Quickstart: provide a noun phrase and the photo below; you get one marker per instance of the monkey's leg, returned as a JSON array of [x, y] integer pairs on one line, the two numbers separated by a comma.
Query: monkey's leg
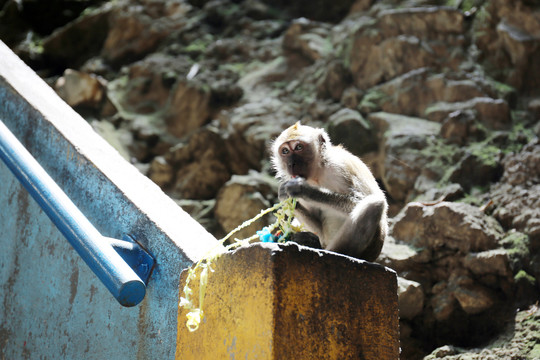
[[363, 231]]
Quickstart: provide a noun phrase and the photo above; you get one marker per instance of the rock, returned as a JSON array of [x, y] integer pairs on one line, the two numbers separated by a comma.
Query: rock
[[79, 40], [435, 193], [241, 199], [80, 89], [135, 31], [523, 168], [442, 351], [517, 195], [422, 22], [411, 298], [526, 289], [488, 262], [516, 342], [400, 257], [376, 60], [161, 172], [534, 107], [401, 138], [507, 35], [406, 39], [361, 5], [121, 140], [460, 127], [334, 81], [251, 127], [148, 85], [307, 38], [493, 113], [478, 169], [320, 10], [200, 181], [189, 109], [158, 87], [349, 128], [455, 226], [202, 163], [443, 304], [351, 97], [202, 211], [474, 299]]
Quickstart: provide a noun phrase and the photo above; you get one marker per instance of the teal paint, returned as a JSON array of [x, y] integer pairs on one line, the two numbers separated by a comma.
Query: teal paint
[[108, 258], [51, 305]]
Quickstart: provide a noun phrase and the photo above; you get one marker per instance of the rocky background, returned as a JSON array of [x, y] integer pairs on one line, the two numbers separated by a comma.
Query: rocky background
[[440, 98]]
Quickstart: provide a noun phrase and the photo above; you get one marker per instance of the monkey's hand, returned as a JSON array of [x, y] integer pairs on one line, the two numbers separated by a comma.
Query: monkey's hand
[[292, 188]]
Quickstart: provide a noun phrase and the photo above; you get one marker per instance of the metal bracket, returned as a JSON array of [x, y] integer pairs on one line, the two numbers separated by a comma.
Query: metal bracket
[[135, 255]]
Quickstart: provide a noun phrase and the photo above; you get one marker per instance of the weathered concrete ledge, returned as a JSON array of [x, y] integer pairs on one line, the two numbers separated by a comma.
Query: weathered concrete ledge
[[270, 301], [51, 305]]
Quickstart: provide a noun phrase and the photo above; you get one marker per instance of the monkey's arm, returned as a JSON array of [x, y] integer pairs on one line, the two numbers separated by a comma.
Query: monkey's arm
[[311, 218], [299, 188]]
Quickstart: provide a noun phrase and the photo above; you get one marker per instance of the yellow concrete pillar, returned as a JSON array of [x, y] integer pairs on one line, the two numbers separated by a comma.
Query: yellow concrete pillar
[[270, 301]]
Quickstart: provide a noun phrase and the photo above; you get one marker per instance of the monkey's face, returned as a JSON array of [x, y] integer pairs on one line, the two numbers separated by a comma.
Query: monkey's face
[[297, 156]]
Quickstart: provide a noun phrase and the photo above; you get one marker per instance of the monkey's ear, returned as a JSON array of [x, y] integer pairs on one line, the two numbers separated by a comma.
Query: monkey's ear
[[324, 139]]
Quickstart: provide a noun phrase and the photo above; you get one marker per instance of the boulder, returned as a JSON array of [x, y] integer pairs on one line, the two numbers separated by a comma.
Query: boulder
[[494, 113], [443, 304], [201, 163], [410, 298], [507, 35], [478, 168], [320, 10], [335, 80], [406, 39], [161, 172], [461, 127], [159, 87], [474, 299], [79, 40], [494, 262], [135, 31], [189, 108], [121, 139], [203, 212], [349, 128], [200, 180], [401, 138], [398, 256], [517, 195], [457, 227], [241, 199], [80, 89], [308, 39], [423, 22]]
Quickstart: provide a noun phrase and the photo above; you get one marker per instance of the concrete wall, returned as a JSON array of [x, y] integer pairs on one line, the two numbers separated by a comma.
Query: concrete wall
[[51, 305]]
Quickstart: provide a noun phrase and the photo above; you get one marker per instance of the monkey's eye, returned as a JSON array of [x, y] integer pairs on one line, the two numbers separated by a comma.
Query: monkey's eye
[[284, 151], [299, 147]]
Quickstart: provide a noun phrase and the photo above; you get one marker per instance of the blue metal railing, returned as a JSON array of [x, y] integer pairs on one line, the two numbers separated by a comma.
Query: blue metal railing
[[123, 266]]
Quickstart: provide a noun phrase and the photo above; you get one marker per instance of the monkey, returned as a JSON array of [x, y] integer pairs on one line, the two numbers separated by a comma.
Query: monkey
[[338, 197]]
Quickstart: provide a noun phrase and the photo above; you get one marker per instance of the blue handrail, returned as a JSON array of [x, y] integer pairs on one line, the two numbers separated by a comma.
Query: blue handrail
[[105, 256]]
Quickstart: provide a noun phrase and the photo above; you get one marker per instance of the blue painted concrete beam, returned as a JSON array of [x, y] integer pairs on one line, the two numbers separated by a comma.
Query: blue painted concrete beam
[[51, 305], [109, 266]]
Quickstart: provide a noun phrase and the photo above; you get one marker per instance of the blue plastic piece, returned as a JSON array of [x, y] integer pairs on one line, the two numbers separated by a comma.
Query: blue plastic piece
[[265, 235], [116, 263]]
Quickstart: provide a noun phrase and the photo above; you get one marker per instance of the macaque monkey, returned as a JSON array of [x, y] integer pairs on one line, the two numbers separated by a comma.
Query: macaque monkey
[[338, 197]]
